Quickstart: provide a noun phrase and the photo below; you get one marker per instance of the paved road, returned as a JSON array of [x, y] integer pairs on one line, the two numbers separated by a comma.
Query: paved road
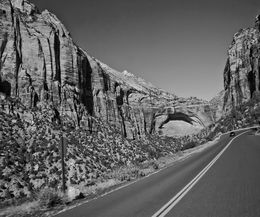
[[231, 187]]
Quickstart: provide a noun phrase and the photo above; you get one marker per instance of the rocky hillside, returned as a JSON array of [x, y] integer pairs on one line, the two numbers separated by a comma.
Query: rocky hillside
[[242, 70], [40, 63], [30, 151], [246, 115]]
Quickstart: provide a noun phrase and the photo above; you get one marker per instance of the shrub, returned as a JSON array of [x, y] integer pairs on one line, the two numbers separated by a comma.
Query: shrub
[[155, 165], [211, 136], [189, 145], [80, 196], [50, 198]]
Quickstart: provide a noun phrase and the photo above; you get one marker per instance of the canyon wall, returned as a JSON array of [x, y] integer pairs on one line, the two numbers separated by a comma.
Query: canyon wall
[[242, 70], [40, 63]]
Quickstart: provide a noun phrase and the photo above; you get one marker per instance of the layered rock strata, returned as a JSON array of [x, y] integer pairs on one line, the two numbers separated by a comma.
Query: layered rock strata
[[40, 63]]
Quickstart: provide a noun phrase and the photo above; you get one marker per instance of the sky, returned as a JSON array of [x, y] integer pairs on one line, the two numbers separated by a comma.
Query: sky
[[178, 45]]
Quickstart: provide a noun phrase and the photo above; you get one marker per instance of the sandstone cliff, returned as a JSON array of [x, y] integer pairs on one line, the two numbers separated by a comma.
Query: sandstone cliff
[[242, 70], [40, 63], [46, 80]]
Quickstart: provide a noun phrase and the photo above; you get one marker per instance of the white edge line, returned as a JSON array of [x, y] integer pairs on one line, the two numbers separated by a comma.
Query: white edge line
[[171, 203], [53, 213]]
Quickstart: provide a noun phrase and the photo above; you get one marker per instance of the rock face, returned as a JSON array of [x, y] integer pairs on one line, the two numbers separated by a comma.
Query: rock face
[[242, 70], [40, 63], [217, 105]]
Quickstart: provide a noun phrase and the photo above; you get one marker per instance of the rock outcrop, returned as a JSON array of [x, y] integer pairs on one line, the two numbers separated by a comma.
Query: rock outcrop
[[40, 63], [217, 103], [242, 70]]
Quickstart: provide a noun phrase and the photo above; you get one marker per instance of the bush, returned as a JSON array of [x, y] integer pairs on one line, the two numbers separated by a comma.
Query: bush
[[80, 196], [211, 136], [189, 145], [50, 198]]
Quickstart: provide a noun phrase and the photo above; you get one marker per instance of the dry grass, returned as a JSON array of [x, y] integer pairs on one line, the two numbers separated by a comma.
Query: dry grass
[[24, 209], [46, 199], [99, 186], [49, 198]]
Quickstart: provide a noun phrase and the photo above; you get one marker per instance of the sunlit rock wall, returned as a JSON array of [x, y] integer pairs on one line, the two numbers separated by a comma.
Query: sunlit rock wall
[[242, 70]]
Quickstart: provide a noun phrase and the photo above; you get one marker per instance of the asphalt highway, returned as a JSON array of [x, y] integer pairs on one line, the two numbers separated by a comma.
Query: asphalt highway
[[230, 187]]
